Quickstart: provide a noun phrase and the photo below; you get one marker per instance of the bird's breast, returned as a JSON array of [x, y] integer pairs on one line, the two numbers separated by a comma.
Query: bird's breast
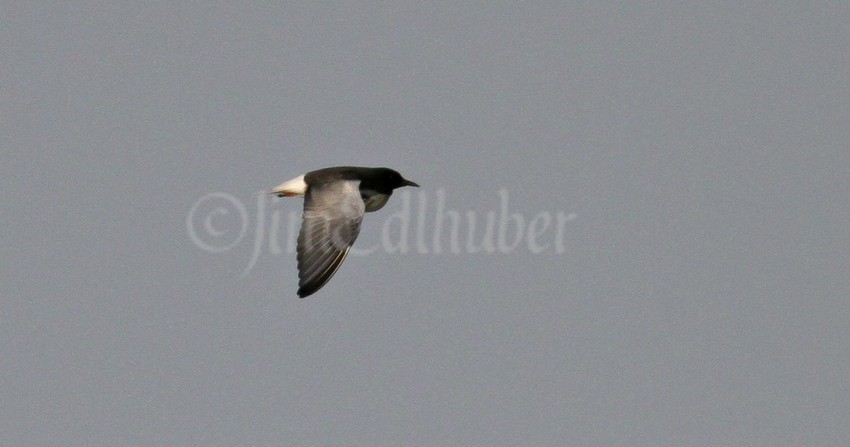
[[373, 199]]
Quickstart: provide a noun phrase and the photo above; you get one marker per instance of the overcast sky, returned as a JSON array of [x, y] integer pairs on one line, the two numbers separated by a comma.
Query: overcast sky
[[667, 262]]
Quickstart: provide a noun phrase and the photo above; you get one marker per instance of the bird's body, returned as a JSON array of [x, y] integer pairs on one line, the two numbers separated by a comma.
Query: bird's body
[[335, 200]]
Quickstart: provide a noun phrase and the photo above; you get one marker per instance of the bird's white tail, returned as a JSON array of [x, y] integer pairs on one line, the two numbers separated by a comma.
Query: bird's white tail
[[289, 188]]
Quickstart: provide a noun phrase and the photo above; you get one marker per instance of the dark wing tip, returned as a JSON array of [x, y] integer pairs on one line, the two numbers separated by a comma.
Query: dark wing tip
[[302, 293], [314, 284], [315, 273]]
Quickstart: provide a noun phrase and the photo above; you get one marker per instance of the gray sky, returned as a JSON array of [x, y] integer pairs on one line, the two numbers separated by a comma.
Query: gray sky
[[697, 154]]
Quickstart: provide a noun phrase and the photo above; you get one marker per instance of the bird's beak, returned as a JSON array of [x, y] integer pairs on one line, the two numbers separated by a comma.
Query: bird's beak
[[407, 182]]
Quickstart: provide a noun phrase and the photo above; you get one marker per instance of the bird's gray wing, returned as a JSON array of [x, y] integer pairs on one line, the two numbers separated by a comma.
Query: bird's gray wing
[[330, 224]]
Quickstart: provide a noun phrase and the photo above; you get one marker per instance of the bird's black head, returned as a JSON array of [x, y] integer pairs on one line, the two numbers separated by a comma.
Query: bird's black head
[[391, 179]]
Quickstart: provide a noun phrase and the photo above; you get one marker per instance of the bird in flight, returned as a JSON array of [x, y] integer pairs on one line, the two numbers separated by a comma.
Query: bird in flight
[[335, 200]]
